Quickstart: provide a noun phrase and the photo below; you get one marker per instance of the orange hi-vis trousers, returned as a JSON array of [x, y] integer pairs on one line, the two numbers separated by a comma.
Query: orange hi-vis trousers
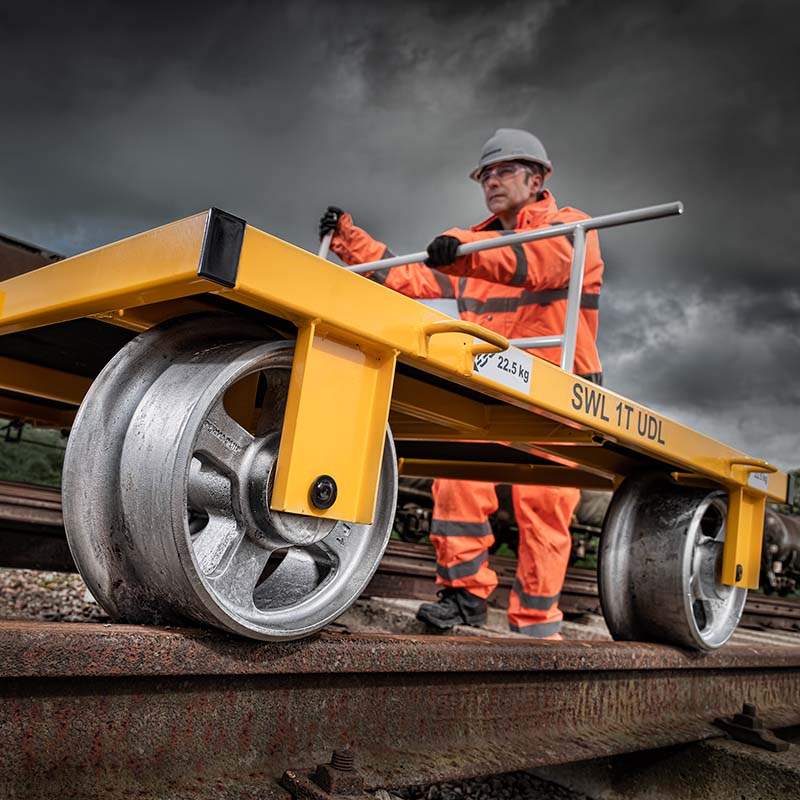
[[462, 535]]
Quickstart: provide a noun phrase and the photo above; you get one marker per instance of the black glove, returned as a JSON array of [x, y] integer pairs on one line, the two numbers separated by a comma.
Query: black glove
[[442, 251], [329, 220]]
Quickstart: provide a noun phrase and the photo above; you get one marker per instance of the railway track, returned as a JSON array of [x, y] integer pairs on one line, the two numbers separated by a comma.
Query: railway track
[[408, 570], [31, 535], [118, 711]]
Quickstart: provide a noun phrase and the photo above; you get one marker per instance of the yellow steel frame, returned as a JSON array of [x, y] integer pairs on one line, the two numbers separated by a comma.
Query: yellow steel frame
[[351, 334], [42, 382]]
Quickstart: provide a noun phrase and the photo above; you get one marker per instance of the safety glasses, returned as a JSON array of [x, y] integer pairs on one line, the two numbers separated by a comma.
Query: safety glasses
[[501, 171]]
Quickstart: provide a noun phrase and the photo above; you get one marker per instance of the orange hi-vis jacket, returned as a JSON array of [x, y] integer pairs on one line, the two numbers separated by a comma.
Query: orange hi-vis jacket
[[518, 291]]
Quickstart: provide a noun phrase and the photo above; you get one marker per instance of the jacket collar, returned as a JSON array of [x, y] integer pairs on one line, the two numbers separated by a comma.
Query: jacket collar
[[532, 215]]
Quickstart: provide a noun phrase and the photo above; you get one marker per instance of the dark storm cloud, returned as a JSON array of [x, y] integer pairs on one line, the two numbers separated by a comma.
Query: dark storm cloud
[[117, 117], [691, 341]]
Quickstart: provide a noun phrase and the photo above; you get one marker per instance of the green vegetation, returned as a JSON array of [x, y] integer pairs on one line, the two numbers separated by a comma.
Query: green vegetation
[[30, 455]]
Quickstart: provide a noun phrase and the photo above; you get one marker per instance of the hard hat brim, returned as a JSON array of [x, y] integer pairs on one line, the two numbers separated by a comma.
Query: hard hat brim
[[505, 157]]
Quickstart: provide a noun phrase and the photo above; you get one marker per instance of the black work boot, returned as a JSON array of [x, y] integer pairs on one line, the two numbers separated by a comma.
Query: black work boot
[[454, 607]]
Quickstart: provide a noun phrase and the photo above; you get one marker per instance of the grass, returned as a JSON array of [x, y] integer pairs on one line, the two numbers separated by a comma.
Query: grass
[[31, 455]]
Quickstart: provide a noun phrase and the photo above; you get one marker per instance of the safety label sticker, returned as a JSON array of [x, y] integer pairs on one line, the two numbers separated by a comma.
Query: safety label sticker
[[758, 480], [511, 368]]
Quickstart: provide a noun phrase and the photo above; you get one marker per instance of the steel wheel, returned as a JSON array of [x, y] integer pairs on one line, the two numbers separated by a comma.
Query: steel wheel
[[100, 542], [192, 512], [660, 561]]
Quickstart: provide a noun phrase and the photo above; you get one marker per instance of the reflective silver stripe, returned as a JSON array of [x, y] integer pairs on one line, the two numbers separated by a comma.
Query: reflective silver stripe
[[462, 282], [590, 300], [538, 630], [521, 272], [464, 569], [444, 283], [441, 527], [496, 305], [493, 305], [446, 288], [380, 275], [537, 602], [570, 236], [593, 377]]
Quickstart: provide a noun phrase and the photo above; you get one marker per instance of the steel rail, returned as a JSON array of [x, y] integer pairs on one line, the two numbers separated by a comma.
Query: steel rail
[[32, 536], [91, 710]]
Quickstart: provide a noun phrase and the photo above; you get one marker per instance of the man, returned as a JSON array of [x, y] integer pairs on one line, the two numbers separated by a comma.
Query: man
[[518, 291]]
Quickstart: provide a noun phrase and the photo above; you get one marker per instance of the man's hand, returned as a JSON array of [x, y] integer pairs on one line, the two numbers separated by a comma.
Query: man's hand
[[329, 220], [442, 251]]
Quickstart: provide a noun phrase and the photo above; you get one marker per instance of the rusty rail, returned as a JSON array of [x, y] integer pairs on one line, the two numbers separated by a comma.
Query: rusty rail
[[32, 528], [118, 711], [32, 536]]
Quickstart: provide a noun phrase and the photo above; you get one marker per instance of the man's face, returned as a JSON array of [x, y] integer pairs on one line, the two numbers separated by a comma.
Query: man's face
[[507, 186]]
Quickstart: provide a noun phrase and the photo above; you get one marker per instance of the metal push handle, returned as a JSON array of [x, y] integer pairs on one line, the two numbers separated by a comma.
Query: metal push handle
[[578, 229], [605, 221], [491, 342], [752, 464], [325, 244]]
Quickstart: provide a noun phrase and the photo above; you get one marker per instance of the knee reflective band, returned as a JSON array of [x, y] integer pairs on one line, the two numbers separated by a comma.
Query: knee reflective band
[[440, 527], [534, 601], [463, 569], [539, 630]]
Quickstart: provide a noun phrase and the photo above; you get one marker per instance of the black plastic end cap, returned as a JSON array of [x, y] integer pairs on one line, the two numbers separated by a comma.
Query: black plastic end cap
[[222, 246]]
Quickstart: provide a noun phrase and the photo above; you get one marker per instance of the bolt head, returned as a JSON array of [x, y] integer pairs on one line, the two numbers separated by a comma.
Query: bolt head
[[323, 492]]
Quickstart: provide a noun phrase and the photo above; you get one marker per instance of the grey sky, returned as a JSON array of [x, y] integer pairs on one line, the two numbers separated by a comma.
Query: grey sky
[[118, 117]]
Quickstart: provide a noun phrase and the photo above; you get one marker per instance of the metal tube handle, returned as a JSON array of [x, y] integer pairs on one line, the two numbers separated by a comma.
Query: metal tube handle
[[325, 244], [538, 342], [592, 223], [752, 464], [574, 299], [568, 340], [491, 342]]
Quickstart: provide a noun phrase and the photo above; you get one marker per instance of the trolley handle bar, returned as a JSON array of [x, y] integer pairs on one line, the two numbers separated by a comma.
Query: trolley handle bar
[[325, 244], [592, 223]]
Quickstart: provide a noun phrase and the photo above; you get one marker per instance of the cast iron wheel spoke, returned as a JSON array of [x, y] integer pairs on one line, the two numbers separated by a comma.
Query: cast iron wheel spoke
[[340, 545], [222, 440], [704, 613], [213, 544], [208, 489], [705, 558], [239, 577], [273, 387], [295, 578]]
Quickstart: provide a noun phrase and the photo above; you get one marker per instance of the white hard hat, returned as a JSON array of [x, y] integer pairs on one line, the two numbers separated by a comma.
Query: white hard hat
[[511, 144]]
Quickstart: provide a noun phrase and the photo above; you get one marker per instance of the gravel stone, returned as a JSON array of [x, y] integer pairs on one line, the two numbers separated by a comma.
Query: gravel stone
[[512, 785], [29, 595]]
